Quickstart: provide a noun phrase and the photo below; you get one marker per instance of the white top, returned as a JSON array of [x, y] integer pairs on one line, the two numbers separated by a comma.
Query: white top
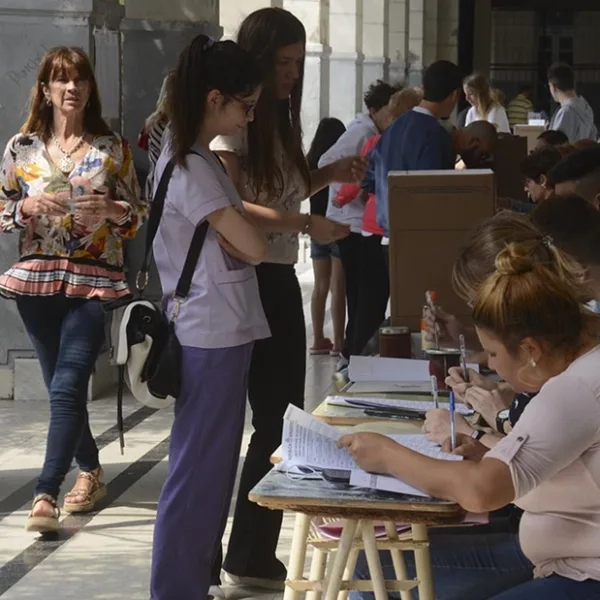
[[223, 307], [553, 454], [350, 143], [283, 247], [496, 116]]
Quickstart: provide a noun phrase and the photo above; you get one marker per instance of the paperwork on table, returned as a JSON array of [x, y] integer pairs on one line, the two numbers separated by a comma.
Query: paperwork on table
[[308, 442], [377, 375]]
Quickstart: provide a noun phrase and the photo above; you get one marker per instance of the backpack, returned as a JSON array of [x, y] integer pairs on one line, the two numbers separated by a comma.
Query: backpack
[[144, 346]]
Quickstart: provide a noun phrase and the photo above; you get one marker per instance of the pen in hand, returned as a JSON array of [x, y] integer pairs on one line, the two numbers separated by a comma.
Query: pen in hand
[[435, 392], [452, 421], [463, 358]]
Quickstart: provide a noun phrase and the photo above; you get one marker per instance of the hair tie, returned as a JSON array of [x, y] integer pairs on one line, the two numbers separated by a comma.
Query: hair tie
[[548, 241], [209, 44]]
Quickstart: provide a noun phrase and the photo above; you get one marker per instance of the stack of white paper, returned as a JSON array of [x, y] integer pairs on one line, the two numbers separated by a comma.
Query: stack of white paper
[[311, 443], [377, 375]]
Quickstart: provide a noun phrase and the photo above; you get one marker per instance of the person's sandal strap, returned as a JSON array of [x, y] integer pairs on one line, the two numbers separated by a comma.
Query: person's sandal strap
[[47, 498], [86, 494]]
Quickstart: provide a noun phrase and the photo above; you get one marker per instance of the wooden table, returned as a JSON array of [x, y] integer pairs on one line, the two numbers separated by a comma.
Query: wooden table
[[358, 508], [348, 416]]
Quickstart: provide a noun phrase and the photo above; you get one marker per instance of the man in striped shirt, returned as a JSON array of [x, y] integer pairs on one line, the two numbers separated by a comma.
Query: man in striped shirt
[[520, 106]]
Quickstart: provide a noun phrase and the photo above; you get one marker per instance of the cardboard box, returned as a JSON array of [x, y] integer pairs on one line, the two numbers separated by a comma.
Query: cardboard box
[[431, 214], [510, 152], [530, 132]]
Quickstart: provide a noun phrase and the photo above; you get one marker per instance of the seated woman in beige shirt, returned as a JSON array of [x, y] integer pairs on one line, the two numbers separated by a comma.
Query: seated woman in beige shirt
[[538, 337]]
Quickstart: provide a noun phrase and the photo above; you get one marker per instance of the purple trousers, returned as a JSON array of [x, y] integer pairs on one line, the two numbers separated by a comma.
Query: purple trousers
[[203, 458]]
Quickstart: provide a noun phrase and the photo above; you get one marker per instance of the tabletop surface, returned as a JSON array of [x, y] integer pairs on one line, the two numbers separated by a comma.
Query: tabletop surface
[[278, 490]]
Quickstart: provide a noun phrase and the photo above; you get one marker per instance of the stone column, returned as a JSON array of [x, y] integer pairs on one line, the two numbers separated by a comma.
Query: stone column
[[416, 41], [398, 20], [314, 14], [233, 12], [375, 42], [345, 38], [447, 30]]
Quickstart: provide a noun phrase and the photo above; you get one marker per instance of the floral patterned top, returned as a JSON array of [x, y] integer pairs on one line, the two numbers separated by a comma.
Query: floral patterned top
[[78, 256]]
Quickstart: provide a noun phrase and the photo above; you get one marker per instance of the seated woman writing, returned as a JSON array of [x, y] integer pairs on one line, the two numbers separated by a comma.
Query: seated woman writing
[[538, 338]]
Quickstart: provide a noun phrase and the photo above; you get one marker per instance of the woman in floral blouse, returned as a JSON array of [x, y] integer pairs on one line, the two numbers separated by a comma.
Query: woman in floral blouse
[[69, 188]]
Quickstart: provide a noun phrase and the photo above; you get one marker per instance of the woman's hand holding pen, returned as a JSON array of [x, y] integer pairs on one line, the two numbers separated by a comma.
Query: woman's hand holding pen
[[466, 446], [459, 386], [489, 403], [447, 326], [437, 425]]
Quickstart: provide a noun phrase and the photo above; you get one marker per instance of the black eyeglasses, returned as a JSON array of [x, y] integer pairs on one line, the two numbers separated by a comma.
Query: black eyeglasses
[[249, 108]]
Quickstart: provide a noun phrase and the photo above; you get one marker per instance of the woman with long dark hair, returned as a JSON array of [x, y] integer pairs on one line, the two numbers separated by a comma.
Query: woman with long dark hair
[[270, 169], [213, 91], [69, 188], [327, 266]]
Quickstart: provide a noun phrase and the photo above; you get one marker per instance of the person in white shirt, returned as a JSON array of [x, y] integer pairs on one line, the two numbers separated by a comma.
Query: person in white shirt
[[483, 106], [363, 127]]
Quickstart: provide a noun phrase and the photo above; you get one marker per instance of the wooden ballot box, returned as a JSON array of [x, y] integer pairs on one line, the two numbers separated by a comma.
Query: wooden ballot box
[[530, 133], [431, 214]]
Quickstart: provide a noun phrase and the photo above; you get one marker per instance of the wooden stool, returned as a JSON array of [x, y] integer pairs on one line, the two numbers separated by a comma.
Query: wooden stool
[[357, 534]]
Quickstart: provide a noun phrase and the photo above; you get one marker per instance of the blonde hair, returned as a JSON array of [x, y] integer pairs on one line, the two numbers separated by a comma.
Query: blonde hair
[[525, 298], [477, 259], [498, 96], [484, 101], [404, 100]]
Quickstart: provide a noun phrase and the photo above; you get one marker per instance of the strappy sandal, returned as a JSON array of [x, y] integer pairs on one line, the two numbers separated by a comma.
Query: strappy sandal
[[43, 523], [89, 498]]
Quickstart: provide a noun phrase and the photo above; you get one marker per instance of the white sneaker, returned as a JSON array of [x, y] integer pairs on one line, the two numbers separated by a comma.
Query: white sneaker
[[215, 591]]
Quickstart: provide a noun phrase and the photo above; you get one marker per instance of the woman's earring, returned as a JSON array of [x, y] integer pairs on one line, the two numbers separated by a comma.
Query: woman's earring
[[48, 102], [533, 363]]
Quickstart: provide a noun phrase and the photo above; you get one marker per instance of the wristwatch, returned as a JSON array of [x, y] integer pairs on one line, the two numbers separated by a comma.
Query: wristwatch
[[477, 434], [501, 419]]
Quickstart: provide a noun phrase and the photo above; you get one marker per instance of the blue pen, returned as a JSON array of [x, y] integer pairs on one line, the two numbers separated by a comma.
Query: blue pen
[[452, 421]]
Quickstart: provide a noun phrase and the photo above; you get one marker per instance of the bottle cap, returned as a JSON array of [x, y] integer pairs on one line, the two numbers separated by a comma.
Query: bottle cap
[[433, 294]]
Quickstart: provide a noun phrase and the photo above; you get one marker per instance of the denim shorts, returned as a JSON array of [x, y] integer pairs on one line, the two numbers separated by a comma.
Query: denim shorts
[[322, 251]]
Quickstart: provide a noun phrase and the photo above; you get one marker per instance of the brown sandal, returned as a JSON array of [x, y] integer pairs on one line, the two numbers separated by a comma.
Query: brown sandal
[[42, 523], [88, 498]]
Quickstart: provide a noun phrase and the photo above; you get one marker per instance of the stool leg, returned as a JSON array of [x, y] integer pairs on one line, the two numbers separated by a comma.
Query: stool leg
[[397, 559], [372, 554], [341, 558], [350, 565], [423, 563], [297, 555], [317, 572]]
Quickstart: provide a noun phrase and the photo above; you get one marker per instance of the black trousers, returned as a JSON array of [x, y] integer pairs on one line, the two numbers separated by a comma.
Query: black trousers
[[350, 256], [277, 378], [373, 293]]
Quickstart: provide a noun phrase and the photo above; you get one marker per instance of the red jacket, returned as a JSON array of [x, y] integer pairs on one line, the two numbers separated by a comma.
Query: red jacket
[[349, 191]]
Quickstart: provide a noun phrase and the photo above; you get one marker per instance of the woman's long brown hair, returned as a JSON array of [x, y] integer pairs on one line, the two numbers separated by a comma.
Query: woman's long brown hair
[[263, 33], [62, 62]]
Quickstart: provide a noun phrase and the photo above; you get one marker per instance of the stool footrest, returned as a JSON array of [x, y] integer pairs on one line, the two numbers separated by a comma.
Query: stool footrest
[[359, 585]]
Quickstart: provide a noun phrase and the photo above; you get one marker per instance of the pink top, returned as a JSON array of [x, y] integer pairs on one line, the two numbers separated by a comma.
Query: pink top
[[554, 458], [349, 191]]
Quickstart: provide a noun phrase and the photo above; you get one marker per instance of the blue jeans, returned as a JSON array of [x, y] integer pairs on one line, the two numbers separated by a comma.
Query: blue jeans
[[67, 335], [484, 566]]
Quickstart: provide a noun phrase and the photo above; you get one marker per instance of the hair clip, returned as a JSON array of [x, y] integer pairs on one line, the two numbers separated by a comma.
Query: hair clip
[[548, 241]]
